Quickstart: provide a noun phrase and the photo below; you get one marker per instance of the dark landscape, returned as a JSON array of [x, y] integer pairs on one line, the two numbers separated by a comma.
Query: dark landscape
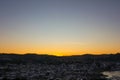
[[48, 67]]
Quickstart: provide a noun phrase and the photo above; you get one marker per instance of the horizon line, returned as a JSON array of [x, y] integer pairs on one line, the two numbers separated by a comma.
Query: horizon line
[[61, 55]]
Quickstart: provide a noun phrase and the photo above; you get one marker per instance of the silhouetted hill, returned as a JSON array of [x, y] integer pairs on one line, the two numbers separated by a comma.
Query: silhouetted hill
[[50, 59]]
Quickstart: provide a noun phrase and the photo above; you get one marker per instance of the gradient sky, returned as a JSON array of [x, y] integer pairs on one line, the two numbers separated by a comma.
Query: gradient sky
[[60, 27]]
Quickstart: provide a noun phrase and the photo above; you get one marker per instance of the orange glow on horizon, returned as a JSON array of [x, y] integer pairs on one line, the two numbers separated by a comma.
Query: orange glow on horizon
[[61, 53], [60, 50]]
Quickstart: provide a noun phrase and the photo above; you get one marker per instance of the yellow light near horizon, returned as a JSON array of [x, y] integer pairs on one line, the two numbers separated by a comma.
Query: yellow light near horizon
[[58, 54], [60, 50]]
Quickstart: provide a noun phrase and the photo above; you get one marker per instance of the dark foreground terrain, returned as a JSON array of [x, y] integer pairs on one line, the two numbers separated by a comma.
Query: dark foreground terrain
[[46, 67]]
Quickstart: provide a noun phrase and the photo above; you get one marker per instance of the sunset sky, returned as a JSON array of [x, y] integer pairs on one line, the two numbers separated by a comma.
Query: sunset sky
[[60, 27]]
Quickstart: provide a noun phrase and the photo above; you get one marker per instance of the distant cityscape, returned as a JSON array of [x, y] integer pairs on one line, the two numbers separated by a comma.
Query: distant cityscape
[[45, 67]]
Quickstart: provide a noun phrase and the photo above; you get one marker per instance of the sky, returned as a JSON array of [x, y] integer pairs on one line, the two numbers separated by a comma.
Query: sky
[[60, 27]]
